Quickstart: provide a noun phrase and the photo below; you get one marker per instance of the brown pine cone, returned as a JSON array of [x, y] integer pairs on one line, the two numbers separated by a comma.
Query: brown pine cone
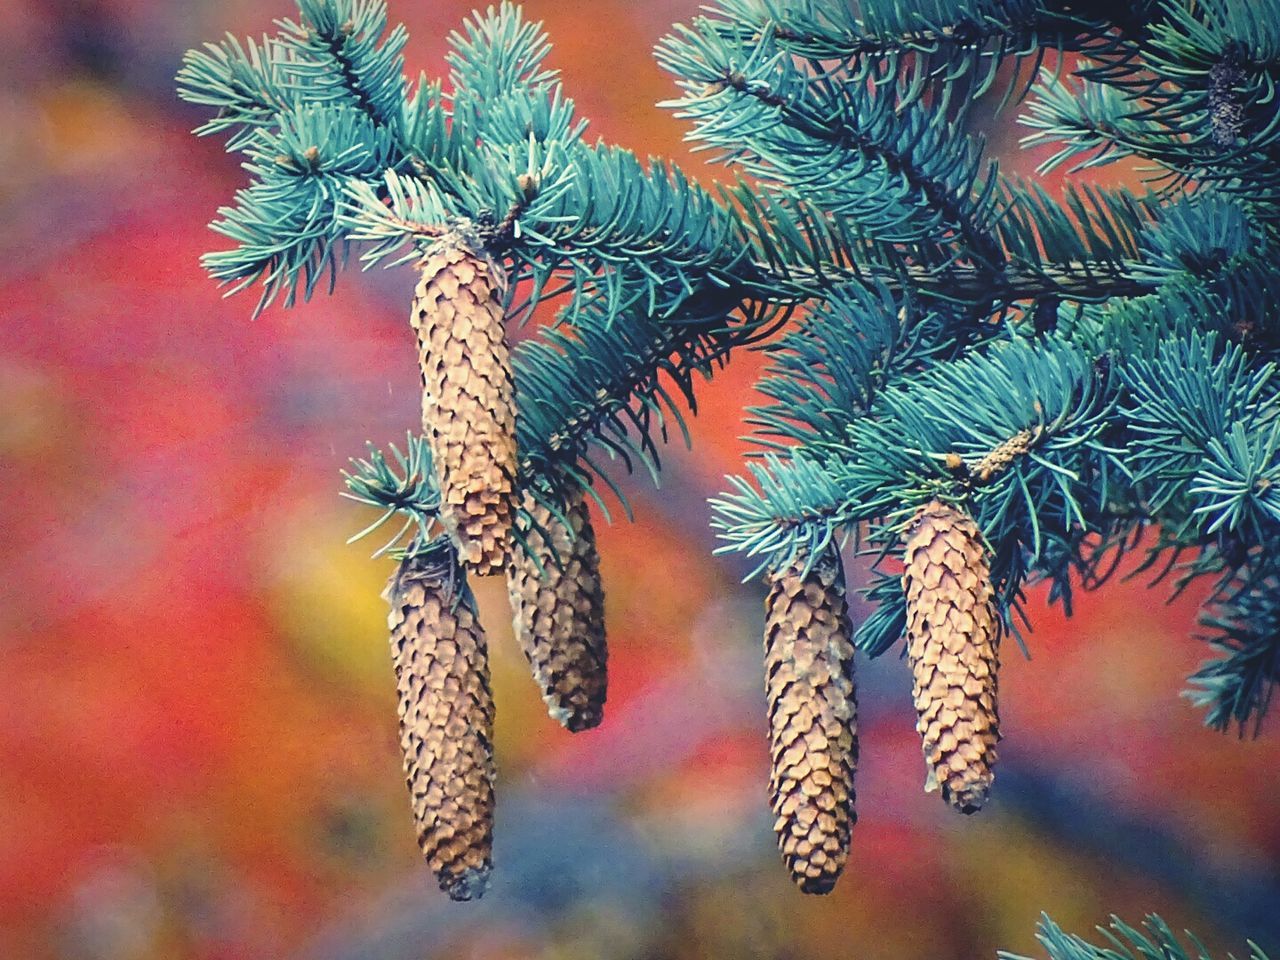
[[813, 719], [558, 612], [446, 719], [468, 398], [953, 634]]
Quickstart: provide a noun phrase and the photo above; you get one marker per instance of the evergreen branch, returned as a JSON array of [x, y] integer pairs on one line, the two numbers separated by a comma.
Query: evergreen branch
[[1122, 942], [1196, 104], [1085, 281], [950, 43], [245, 83], [601, 382], [624, 235], [497, 57], [1184, 397], [286, 225], [1236, 687], [404, 485], [829, 369], [897, 163], [902, 456], [834, 143], [1088, 252], [343, 51]]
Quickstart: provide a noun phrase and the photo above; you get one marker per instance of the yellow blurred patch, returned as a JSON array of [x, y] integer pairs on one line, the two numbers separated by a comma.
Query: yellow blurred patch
[[32, 412], [325, 596]]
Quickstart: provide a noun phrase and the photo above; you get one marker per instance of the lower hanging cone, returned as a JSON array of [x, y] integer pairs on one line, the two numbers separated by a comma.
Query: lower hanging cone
[[446, 719], [813, 715], [557, 602], [468, 398], [953, 632]]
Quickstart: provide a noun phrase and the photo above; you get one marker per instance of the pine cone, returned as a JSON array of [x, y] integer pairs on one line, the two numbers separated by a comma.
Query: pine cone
[[559, 612], [953, 632], [813, 717], [468, 398], [446, 720]]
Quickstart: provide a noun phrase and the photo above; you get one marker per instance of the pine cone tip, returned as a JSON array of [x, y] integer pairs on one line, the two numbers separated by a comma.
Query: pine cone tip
[[968, 800], [578, 720], [469, 884]]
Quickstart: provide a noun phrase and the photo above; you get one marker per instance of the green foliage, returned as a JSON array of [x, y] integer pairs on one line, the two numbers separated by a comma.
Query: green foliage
[[1072, 368], [1123, 942]]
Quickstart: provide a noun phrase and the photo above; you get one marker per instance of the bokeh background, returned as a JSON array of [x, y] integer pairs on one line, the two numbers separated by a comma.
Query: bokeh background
[[198, 755]]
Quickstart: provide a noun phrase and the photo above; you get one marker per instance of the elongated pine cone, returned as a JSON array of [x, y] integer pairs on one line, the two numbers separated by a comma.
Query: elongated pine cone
[[446, 720], [813, 717], [953, 634], [468, 398], [558, 612]]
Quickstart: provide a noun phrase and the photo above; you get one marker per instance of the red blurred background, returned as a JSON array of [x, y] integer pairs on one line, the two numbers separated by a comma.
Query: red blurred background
[[197, 722]]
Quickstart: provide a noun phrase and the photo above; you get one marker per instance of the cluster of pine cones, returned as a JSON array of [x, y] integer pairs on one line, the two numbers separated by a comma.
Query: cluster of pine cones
[[438, 644], [953, 632], [552, 568]]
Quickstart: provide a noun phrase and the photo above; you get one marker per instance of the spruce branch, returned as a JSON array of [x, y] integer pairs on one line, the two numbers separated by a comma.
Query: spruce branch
[[991, 384], [1122, 942], [877, 162], [245, 83], [344, 52], [1236, 686], [896, 163], [961, 44]]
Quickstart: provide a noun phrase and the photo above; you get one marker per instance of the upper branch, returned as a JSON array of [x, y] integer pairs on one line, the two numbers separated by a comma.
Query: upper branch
[[898, 163]]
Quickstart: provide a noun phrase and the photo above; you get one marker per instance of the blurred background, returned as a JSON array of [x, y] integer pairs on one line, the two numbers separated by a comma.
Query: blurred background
[[197, 713]]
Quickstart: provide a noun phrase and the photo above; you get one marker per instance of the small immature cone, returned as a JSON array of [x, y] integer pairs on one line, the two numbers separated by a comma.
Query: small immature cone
[[1002, 457], [813, 716], [558, 612], [953, 633], [468, 398], [446, 720]]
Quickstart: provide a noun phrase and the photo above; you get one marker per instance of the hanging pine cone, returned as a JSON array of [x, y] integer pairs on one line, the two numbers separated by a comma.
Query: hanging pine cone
[[446, 719], [813, 716], [953, 631], [468, 398], [559, 611]]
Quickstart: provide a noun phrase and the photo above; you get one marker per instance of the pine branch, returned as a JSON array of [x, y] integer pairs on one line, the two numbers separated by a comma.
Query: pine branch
[[898, 164], [602, 381], [345, 52], [1061, 371], [1122, 942], [964, 43]]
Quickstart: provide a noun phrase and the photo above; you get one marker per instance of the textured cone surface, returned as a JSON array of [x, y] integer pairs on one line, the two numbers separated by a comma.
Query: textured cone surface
[[1002, 457], [813, 715], [468, 399], [446, 723], [953, 633], [559, 612]]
